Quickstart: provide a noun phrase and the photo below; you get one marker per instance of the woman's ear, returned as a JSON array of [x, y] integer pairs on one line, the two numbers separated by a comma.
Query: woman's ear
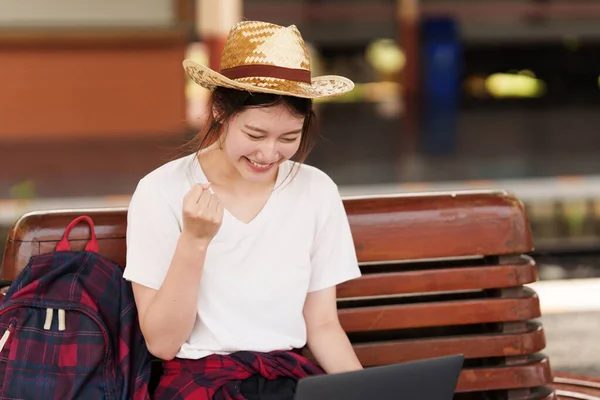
[[216, 113]]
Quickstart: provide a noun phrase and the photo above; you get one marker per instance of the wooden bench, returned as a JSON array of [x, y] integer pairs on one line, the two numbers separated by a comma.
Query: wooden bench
[[444, 273]]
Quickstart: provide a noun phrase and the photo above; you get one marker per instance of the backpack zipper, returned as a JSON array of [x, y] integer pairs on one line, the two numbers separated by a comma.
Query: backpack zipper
[[61, 319], [5, 336], [48, 321]]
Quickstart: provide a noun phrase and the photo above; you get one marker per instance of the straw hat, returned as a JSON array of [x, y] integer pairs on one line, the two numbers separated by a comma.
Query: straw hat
[[263, 57]]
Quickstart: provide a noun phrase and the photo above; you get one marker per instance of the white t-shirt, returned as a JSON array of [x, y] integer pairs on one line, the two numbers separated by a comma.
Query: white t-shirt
[[257, 275]]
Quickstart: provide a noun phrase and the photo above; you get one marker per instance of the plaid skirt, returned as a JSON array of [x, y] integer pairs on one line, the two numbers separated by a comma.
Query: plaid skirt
[[220, 377]]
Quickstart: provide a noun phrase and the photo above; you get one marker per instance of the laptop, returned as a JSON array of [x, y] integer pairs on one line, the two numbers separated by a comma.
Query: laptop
[[431, 379]]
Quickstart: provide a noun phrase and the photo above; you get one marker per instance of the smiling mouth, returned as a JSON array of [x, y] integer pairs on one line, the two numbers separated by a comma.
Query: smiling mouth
[[259, 166]]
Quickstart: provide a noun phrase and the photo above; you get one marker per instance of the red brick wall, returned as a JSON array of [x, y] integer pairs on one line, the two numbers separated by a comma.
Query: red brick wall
[[66, 92]]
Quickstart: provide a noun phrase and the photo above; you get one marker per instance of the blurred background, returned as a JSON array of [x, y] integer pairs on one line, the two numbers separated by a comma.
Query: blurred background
[[450, 94]]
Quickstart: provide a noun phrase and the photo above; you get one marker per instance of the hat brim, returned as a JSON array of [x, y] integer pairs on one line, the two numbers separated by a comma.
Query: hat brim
[[322, 86]]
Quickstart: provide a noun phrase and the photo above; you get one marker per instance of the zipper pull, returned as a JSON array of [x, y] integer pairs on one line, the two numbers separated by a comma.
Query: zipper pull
[[5, 337], [49, 316], [61, 320]]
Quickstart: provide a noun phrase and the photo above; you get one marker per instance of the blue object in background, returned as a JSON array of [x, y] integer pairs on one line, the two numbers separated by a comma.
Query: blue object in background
[[441, 55]]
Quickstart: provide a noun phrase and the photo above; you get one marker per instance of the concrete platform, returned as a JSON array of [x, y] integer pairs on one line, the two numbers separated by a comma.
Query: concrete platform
[[573, 341]]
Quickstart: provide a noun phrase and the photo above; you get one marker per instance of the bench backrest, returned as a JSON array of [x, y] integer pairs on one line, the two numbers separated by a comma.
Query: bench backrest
[[390, 228], [444, 273]]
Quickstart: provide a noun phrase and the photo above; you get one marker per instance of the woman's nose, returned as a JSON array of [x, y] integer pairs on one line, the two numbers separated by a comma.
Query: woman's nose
[[270, 152]]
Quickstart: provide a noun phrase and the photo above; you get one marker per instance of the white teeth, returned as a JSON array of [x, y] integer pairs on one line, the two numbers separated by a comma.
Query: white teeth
[[259, 165]]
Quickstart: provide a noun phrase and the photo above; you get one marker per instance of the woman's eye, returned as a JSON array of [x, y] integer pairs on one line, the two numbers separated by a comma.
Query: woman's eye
[[289, 140], [254, 137]]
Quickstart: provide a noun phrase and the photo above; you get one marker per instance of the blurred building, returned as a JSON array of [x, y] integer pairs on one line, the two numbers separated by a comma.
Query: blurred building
[[447, 90]]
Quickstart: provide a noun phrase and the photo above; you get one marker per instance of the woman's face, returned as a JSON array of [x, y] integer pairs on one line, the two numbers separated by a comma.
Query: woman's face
[[257, 140]]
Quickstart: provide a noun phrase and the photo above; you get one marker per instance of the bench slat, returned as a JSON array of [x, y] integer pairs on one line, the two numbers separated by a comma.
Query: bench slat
[[113, 246], [437, 225], [537, 393], [16, 256], [570, 395], [531, 374], [47, 226], [572, 386], [441, 280], [404, 227], [471, 346], [40, 232], [447, 313]]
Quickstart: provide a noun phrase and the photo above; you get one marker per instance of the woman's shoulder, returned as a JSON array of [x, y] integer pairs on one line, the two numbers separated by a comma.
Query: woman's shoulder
[[311, 176], [310, 182], [170, 179], [176, 170]]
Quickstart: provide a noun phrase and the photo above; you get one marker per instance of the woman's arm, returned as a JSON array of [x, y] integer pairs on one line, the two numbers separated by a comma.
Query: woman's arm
[[327, 340], [167, 316]]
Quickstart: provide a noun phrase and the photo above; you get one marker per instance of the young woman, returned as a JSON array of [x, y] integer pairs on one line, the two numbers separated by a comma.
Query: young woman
[[235, 250]]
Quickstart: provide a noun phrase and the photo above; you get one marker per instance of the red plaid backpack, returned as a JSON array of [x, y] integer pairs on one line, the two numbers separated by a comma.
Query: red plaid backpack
[[70, 330]]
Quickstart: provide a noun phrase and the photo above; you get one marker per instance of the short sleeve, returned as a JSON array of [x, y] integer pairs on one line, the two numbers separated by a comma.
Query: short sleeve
[[152, 234], [333, 256]]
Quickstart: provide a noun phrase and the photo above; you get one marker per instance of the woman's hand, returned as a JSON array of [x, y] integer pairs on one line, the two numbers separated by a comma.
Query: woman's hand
[[202, 214]]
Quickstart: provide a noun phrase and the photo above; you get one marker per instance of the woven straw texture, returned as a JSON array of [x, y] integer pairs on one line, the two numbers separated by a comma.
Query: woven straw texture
[[261, 43]]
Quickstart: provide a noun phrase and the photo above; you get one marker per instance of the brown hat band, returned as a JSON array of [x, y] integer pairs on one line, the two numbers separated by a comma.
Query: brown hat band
[[267, 71]]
